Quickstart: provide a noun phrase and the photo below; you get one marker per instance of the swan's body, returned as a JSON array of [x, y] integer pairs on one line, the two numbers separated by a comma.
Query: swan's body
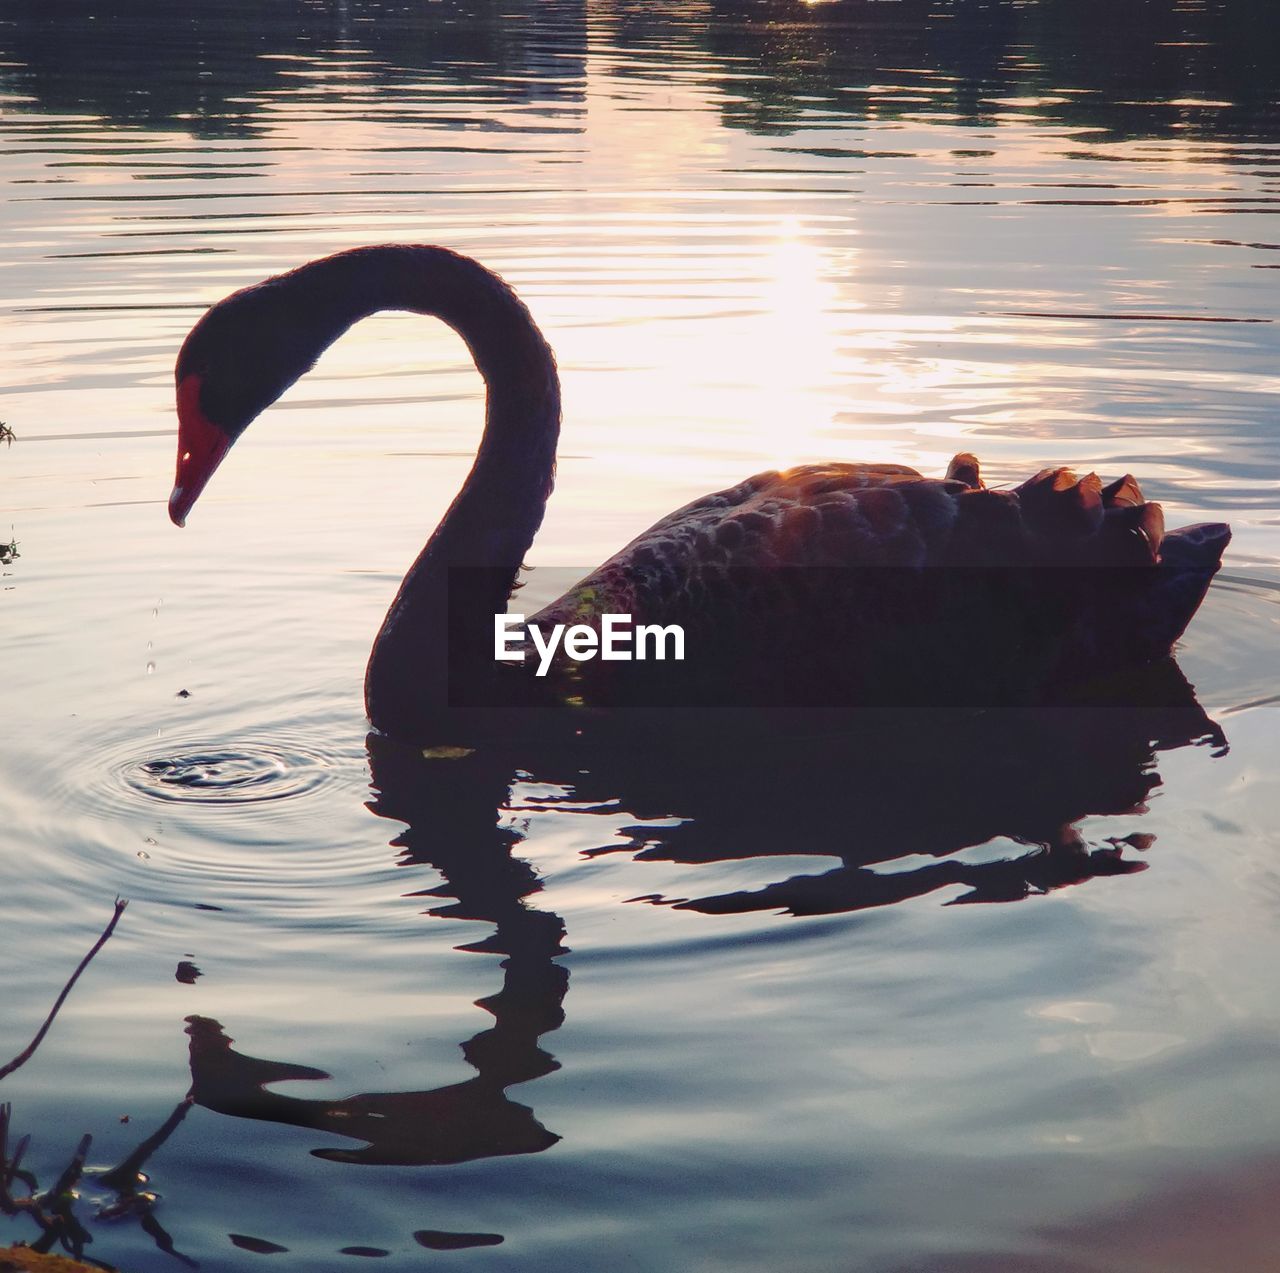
[[831, 584]]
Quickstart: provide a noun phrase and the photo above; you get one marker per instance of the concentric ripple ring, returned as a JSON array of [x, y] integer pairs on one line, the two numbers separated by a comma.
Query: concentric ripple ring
[[250, 774]]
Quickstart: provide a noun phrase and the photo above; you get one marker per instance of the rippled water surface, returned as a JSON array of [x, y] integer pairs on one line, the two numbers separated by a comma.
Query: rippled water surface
[[1004, 1001]]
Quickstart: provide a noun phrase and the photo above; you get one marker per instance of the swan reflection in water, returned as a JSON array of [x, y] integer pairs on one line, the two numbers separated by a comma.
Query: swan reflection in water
[[451, 812], [908, 784], [930, 784]]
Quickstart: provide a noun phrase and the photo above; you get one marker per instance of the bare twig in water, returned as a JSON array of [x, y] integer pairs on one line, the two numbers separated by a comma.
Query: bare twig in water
[[25, 1055], [11, 1167], [54, 1212], [7, 435], [124, 1179], [9, 1170], [64, 1225]]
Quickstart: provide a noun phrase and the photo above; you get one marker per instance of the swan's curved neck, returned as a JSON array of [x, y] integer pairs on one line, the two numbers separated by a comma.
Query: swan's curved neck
[[465, 573]]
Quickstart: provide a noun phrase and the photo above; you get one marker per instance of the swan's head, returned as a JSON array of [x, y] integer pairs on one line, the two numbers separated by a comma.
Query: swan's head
[[237, 360]]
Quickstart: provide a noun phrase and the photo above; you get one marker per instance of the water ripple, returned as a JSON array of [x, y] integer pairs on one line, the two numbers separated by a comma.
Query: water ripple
[[269, 824], [254, 773]]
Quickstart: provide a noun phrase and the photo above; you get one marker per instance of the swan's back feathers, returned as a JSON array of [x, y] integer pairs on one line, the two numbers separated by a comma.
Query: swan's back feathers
[[734, 557], [813, 515]]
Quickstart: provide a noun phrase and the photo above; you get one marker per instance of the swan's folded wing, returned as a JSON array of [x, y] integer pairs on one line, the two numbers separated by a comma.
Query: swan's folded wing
[[828, 515]]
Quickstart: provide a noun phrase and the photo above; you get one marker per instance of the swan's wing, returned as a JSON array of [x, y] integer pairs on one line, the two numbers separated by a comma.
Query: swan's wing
[[774, 491], [815, 515]]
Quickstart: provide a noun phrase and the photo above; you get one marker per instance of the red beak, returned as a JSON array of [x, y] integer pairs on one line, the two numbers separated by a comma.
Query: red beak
[[201, 447]]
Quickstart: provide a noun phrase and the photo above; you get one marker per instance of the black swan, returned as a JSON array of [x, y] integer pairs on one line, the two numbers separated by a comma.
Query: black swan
[[824, 585]]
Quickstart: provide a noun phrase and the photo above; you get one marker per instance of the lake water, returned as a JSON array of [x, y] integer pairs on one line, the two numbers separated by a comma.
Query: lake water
[[628, 1013]]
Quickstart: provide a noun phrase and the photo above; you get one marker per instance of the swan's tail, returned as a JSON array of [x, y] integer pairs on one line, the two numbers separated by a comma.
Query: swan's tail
[[1189, 558]]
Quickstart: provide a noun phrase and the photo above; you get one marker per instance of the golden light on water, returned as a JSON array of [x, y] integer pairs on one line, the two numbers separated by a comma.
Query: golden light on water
[[793, 345], [720, 301]]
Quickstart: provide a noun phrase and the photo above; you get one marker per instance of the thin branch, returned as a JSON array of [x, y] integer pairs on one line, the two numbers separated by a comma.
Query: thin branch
[[123, 1179], [60, 1201], [25, 1055]]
